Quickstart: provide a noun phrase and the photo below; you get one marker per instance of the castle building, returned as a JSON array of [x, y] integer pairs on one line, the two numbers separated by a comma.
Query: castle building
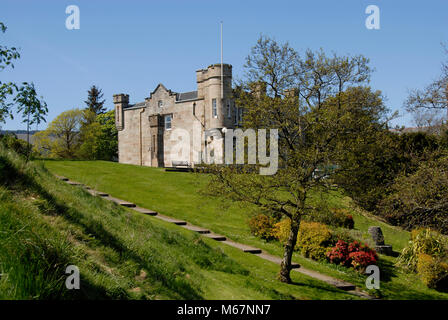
[[145, 129]]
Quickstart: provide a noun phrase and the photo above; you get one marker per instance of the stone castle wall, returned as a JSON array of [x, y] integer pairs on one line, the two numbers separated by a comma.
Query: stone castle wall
[[142, 137]]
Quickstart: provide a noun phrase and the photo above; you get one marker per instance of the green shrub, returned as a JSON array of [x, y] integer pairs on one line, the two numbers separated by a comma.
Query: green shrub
[[313, 238], [432, 271], [336, 217], [262, 226], [423, 241], [281, 231], [345, 235], [12, 142], [419, 199]]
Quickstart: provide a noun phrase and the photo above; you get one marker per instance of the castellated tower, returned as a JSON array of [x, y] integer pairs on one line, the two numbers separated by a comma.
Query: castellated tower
[[149, 131], [121, 101], [216, 102]]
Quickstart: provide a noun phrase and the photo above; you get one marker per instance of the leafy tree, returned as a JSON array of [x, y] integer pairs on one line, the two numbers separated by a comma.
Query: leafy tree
[[7, 57], [100, 138], [94, 102], [88, 131], [89, 127], [421, 198], [62, 137], [311, 125], [375, 160], [32, 108], [107, 142], [433, 97]]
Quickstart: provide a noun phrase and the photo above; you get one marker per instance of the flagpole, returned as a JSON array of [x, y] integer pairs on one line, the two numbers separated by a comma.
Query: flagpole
[[222, 72]]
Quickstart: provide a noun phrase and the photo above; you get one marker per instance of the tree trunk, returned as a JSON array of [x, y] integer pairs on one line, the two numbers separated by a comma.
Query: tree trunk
[[285, 268], [28, 149]]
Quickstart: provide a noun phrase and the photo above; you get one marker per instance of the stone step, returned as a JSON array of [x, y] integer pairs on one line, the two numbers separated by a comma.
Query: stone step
[[127, 204], [61, 178], [97, 193], [243, 247], [196, 229], [102, 194], [121, 202], [168, 219], [145, 211], [340, 284], [277, 260], [74, 183], [252, 250], [215, 236]]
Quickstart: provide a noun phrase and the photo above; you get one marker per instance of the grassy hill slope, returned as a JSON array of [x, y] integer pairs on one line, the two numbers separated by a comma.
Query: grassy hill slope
[[177, 194], [46, 225]]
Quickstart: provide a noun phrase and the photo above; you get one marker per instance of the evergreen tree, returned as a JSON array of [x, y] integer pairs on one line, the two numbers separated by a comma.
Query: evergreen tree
[[94, 102]]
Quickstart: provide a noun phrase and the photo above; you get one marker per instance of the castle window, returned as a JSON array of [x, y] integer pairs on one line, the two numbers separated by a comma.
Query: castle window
[[214, 109], [240, 115], [194, 108], [228, 109], [236, 115], [160, 103], [168, 121]]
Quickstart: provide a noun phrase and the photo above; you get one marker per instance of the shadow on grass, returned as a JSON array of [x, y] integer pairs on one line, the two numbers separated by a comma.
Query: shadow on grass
[[9, 175], [320, 287], [387, 270]]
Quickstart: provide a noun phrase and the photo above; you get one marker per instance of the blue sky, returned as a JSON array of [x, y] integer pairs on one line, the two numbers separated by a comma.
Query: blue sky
[[131, 46]]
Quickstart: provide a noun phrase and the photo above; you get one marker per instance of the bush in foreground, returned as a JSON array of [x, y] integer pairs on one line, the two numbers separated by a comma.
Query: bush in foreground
[[427, 255], [422, 241], [432, 271], [355, 255]]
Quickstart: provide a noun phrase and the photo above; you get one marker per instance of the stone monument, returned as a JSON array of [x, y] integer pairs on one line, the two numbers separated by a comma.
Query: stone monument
[[378, 238]]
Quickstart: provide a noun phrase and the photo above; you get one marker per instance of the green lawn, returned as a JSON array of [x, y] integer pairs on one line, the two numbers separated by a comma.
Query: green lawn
[[46, 224], [178, 195]]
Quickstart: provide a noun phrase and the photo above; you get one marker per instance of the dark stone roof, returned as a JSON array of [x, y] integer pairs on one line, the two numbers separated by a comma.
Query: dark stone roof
[[137, 105], [185, 96]]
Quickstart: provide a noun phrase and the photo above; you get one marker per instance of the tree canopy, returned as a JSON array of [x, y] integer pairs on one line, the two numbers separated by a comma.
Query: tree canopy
[[315, 102]]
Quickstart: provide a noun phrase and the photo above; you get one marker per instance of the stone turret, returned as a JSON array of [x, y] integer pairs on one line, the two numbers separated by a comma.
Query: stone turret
[[121, 101], [209, 89]]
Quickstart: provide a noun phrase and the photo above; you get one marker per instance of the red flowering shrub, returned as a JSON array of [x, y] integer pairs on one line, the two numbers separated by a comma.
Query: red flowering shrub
[[339, 253], [361, 259], [355, 254]]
